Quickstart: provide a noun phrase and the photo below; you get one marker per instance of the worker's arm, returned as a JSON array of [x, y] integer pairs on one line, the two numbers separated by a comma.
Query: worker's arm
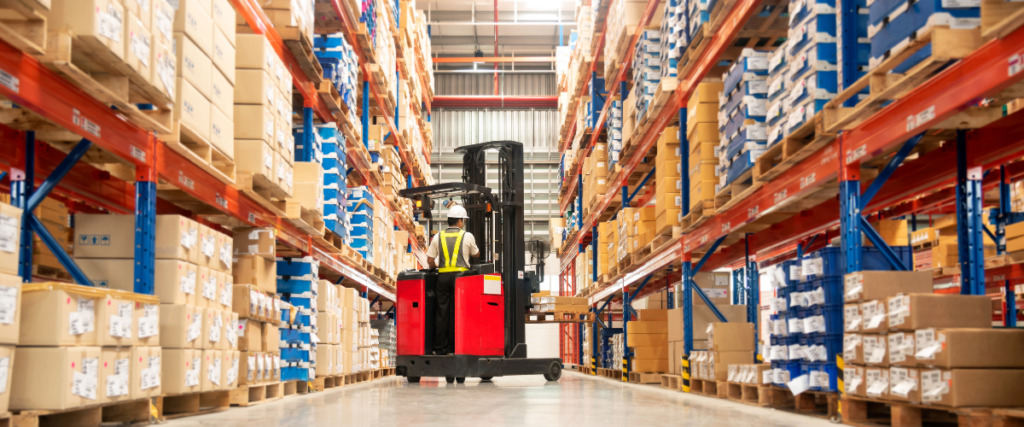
[[431, 263], [474, 251], [432, 253]]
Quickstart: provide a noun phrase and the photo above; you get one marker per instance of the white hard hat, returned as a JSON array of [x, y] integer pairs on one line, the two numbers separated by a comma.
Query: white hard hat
[[458, 212]]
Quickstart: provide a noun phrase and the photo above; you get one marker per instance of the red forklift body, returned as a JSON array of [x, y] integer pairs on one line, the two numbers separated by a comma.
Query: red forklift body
[[479, 316], [415, 313]]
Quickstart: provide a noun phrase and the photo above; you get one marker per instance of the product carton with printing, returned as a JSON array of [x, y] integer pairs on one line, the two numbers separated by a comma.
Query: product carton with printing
[[968, 348], [10, 308], [875, 350], [55, 314], [853, 380], [920, 311], [181, 326], [271, 337], [901, 349], [10, 224], [250, 335], [875, 285], [113, 236], [959, 388], [147, 324], [255, 270], [55, 378], [230, 365], [876, 382], [146, 372], [904, 384], [735, 336], [181, 371], [255, 241], [210, 370], [720, 360], [115, 374]]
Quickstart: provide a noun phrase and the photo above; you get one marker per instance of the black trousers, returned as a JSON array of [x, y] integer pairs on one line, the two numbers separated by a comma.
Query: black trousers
[[444, 329]]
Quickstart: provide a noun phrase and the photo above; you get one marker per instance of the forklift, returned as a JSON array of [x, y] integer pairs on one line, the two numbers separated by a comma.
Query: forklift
[[492, 298]]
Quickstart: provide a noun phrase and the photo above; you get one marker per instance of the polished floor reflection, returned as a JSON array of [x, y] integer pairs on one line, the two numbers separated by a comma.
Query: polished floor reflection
[[522, 401]]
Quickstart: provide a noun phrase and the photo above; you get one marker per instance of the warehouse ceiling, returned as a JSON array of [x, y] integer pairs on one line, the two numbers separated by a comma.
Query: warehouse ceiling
[[458, 28]]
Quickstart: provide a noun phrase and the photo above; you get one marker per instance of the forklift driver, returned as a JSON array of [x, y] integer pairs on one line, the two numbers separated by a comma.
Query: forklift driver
[[457, 246]]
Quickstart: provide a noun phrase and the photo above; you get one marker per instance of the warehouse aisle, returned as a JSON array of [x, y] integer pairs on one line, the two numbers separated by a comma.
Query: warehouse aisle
[[524, 401]]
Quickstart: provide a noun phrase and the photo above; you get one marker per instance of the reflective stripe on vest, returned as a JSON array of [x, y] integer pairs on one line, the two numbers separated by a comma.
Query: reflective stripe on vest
[[451, 263]]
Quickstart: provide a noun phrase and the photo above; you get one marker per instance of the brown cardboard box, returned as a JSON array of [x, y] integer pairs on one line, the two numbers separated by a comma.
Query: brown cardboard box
[[920, 311], [972, 387], [10, 216], [195, 21], [901, 349], [255, 241], [271, 337], [210, 333], [224, 289], [250, 335], [875, 350], [44, 377], [650, 365], [852, 319], [722, 360], [230, 365], [875, 285], [254, 87], [222, 131], [207, 289], [231, 331], [180, 326], [255, 122], [223, 53], [876, 383], [10, 309], [737, 336], [247, 373], [223, 16], [210, 370], [969, 348], [146, 371], [113, 236], [325, 362], [873, 316], [114, 374], [137, 42], [6, 365], [853, 348], [904, 384], [853, 380], [256, 157], [193, 65], [254, 52], [652, 315], [176, 282], [655, 327], [81, 17], [115, 318], [181, 371], [246, 302], [651, 352], [258, 271], [147, 317], [162, 25], [702, 316], [142, 9], [58, 314]]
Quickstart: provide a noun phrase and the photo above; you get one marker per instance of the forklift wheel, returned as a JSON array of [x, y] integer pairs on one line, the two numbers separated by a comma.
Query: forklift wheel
[[449, 380], [460, 380], [554, 372], [413, 380], [485, 378]]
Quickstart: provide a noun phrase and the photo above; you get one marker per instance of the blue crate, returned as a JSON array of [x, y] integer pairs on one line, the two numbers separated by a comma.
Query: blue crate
[[359, 230], [739, 146], [301, 303], [784, 294], [336, 227], [818, 29], [296, 286], [294, 355], [290, 336], [333, 180], [833, 315], [332, 165], [331, 211], [832, 384], [295, 373], [816, 85], [891, 26], [333, 194], [811, 8], [792, 276], [792, 370], [298, 267], [816, 58], [741, 164], [833, 344], [832, 287], [754, 132], [871, 260]]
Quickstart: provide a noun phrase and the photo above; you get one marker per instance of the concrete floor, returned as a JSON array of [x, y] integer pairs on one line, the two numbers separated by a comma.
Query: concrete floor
[[516, 401]]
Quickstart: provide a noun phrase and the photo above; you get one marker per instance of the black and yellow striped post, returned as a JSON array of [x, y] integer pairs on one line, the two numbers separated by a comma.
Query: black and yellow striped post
[[684, 360], [593, 365], [625, 369], [840, 366]]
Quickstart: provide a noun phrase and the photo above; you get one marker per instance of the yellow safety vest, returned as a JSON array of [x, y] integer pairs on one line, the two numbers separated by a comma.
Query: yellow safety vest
[[451, 262]]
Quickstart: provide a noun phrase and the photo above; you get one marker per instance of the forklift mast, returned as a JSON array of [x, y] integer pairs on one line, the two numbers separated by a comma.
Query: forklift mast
[[506, 230]]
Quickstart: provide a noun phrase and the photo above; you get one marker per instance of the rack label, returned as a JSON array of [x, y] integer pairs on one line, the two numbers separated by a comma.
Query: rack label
[[807, 180], [12, 82], [84, 123], [780, 196], [914, 121], [856, 154], [1016, 64], [137, 153], [221, 201], [186, 181]]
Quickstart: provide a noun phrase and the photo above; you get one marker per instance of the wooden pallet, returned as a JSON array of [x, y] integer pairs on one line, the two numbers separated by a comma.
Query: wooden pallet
[[388, 372], [672, 382], [250, 395], [998, 261], [23, 25], [90, 65], [762, 31], [946, 44], [309, 220], [353, 379], [645, 377], [302, 48], [612, 61], [755, 394], [186, 405], [742, 187], [289, 388], [263, 191], [864, 412], [699, 213], [641, 254], [50, 273], [559, 317], [1007, 417], [709, 388], [999, 18], [925, 246], [798, 145], [131, 411], [813, 403]]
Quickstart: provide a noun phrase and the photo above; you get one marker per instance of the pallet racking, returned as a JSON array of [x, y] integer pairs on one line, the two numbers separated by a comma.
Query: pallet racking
[[788, 209], [152, 168]]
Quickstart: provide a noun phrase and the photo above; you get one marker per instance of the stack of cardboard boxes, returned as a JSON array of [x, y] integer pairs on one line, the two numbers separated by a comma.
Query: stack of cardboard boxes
[[702, 133], [263, 115], [931, 349], [544, 302], [10, 297], [716, 287], [595, 176], [328, 322], [256, 304], [637, 226], [204, 39], [82, 345], [728, 344], [939, 247], [360, 330], [648, 337], [756, 374], [668, 190]]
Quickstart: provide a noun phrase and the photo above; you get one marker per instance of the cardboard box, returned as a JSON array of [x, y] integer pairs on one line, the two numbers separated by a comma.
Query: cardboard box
[[853, 348], [854, 380], [271, 337], [213, 329], [968, 348], [876, 383], [207, 288], [256, 157], [162, 24], [904, 384], [137, 45], [210, 370], [115, 370], [873, 315], [305, 192], [181, 371], [222, 132], [254, 52], [115, 318], [230, 367], [255, 122], [146, 372], [647, 340], [176, 282], [83, 17], [255, 270], [722, 359], [10, 217], [194, 65], [55, 314], [325, 354], [10, 309], [875, 285], [247, 368], [194, 20], [147, 317], [920, 311], [652, 352], [223, 54], [701, 113], [875, 350], [650, 365], [901, 349], [254, 87], [231, 331], [163, 68], [181, 326], [737, 336], [246, 302], [45, 377], [255, 241], [250, 335], [972, 387]]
